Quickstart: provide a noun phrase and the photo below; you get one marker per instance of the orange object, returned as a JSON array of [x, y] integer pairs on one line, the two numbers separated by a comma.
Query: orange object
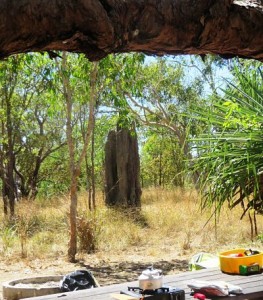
[[231, 260], [240, 254]]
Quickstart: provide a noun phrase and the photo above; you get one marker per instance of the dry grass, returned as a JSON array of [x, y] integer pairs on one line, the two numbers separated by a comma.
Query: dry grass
[[170, 224]]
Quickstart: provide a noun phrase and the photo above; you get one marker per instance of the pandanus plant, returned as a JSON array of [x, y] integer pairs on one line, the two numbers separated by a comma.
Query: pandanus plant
[[230, 152]]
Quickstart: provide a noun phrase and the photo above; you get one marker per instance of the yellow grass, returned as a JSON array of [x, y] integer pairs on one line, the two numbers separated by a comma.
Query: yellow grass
[[170, 224]]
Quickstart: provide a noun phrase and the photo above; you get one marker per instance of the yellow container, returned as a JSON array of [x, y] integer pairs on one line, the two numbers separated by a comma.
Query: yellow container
[[230, 264]]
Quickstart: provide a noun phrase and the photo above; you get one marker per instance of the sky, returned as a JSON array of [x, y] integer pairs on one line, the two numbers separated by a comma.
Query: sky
[[221, 74]]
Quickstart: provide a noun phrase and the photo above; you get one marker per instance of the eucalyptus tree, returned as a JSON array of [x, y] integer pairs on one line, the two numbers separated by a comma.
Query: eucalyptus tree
[[77, 77], [30, 123], [156, 94], [16, 95], [41, 131], [160, 159], [92, 177], [230, 151], [9, 71]]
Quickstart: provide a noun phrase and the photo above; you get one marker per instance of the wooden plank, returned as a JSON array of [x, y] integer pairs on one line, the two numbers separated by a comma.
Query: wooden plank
[[252, 286]]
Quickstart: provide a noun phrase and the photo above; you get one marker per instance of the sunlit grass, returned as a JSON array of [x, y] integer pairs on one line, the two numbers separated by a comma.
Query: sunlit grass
[[170, 221]]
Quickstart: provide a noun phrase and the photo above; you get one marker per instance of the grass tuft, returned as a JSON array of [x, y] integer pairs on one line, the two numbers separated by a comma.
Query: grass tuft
[[170, 223]]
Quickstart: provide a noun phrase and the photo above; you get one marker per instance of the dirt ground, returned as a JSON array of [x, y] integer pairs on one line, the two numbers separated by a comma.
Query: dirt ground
[[107, 269]]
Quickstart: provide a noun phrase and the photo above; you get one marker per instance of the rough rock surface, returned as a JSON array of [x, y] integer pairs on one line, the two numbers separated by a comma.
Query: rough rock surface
[[99, 27]]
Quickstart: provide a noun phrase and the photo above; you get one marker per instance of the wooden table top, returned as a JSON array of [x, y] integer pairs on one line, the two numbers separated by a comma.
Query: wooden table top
[[252, 286]]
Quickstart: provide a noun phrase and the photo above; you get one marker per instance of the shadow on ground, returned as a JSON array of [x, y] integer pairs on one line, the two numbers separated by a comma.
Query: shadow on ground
[[114, 272]]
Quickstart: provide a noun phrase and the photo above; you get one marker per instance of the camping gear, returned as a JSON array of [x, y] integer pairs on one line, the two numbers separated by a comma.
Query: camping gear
[[151, 287], [241, 261], [78, 280], [163, 293], [151, 279]]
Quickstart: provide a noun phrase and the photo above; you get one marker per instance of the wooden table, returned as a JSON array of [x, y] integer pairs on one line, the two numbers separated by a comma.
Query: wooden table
[[252, 286]]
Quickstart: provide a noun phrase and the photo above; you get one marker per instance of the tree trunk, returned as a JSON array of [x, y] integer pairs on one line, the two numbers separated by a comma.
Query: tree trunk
[[5, 198], [75, 164], [97, 28], [122, 170], [88, 183], [93, 168], [160, 172], [2, 173], [74, 172], [72, 249], [39, 157], [34, 179], [10, 165]]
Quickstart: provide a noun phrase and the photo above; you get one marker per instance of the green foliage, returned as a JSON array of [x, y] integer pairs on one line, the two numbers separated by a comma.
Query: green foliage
[[8, 235], [34, 121], [162, 91], [119, 73], [161, 162], [230, 159], [165, 97], [260, 237]]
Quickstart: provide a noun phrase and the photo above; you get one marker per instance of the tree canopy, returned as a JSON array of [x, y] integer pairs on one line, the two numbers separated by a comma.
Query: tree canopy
[[228, 28]]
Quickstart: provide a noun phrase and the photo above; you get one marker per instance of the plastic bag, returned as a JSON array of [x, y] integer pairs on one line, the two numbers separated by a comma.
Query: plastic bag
[[78, 280], [203, 260]]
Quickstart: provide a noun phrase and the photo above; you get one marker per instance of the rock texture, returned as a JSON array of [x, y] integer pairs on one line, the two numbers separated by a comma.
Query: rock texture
[[99, 27]]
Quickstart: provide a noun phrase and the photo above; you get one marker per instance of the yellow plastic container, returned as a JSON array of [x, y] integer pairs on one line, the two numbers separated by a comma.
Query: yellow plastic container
[[230, 264]]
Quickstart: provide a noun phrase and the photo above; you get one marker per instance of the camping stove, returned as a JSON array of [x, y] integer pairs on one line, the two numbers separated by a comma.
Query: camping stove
[[163, 293]]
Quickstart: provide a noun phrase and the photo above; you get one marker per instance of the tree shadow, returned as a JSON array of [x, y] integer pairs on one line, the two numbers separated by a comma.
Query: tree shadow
[[114, 272], [133, 214]]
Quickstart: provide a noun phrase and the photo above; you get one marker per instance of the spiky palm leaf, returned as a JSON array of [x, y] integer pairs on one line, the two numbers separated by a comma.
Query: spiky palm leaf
[[231, 153]]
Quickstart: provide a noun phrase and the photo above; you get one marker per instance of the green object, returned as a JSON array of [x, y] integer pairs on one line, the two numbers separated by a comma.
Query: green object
[[203, 260], [246, 270], [243, 270]]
